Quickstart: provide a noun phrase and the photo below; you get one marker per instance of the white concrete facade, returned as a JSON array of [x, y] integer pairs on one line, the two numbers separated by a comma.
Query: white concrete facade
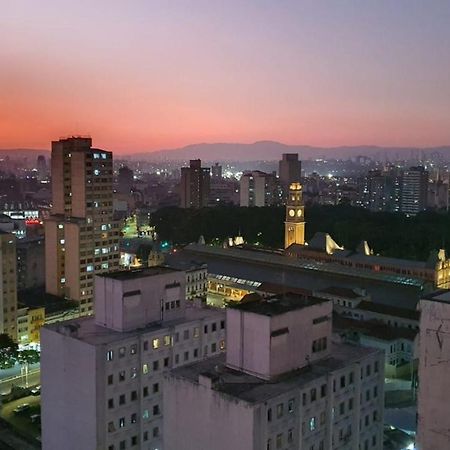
[[102, 377]]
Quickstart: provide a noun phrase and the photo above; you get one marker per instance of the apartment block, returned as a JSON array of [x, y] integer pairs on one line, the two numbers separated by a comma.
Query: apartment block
[[283, 384], [81, 237], [8, 284], [102, 376]]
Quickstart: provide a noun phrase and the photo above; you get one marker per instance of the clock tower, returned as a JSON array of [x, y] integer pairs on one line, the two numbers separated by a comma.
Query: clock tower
[[294, 226]]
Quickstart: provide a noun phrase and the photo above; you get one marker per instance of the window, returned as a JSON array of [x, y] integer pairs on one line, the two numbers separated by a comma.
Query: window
[[121, 422], [290, 436], [133, 441], [155, 432], [350, 378], [343, 382], [280, 410], [145, 436], [145, 346], [166, 362], [133, 418], [145, 414], [122, 375], [368, 370], [110, 403], [205, 329], [122, 445], [186, 356], [350, 404], [279, 440], [291, 405], [155, 343], [176, 337], [313, 394], [375, 416], [222, 344], [375, 391], [145, 368], [145, 391], [269, 444], [319, 345], [167, 340], [156, 388], [213, 347], [366, 421], [121, 352], [312, 424], [374, 440], [155, 365], [186, 334], [110, 379], [322, 417], [341, 408], [195, 352], [269, 415], [133, 349], [304, 399], [323, 390], [109, 355], [196, 332], [214, 327], [133, 395], [156, 410], [111, 427], [367, 395], [133, 372], [122, 399], [222, 324], [375, 367], [177, 359]]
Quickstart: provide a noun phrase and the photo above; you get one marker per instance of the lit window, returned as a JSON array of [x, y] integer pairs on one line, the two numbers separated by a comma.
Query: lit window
[[109, 355], [222, 345], [312, 423], [121, 422], [60, 226], [96, 155], [133, 372], [121, 352], [145, 369], [62, 241], [196, 332], [96, 172], [89, 268], [63, 280], [105, 265], [155, 343], [105, 250], [145, 414], [167, 340], [97, 251], [133, 349]]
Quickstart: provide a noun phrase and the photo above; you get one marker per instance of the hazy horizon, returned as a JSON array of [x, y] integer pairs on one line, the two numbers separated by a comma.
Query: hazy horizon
[[161, 75]]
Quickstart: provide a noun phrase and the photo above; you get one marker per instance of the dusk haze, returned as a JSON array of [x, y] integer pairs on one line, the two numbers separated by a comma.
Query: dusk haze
[[147, 75]]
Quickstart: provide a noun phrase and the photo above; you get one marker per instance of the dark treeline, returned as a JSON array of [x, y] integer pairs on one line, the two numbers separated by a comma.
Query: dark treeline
[[389, 234]]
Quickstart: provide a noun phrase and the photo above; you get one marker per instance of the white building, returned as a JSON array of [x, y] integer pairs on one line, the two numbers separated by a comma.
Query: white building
[[258, 188], [434, 367], [283, 385], [102, 376]]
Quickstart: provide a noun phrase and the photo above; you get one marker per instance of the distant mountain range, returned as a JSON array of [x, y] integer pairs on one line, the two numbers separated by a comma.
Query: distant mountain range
[[262, 150], [270, 151]]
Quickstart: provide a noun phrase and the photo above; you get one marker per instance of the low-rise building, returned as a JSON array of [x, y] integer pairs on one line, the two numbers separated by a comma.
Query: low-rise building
[[102, 376], [29, 324]]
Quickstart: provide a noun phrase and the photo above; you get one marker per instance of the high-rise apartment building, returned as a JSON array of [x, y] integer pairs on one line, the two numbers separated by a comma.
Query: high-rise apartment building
[[282, 385], [102, 376], [195, 185], [290, 169], [414, 190], [8, 285], [258, 188], [216, 172], [81, 238], [433, 431]]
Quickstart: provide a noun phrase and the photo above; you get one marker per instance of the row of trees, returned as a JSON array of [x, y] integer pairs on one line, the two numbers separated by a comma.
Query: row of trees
[[10, 354], [389, 234]]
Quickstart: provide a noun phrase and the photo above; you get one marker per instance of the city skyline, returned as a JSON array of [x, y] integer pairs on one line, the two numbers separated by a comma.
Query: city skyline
[[161, 76]]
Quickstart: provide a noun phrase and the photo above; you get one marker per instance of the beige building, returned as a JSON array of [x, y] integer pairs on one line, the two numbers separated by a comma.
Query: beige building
[[8, 283], [434, 365], [258, 188], [29, 324], [282, 385], [81, 238]]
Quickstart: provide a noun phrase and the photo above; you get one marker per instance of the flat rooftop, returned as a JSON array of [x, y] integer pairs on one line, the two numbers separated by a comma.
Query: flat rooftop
[[442, 296], [138, 273], [276, 305], [253, 390], [86, 330]]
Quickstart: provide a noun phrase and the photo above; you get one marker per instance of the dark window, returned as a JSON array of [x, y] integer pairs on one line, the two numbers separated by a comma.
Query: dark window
[[133, 395], [156, 388], [323, 390], [122, 399]]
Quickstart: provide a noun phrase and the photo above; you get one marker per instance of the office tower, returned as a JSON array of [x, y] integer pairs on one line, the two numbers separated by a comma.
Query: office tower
[[259, 189], [290, 169], [282, 385], [125, 180], [294, 226], [434, 366], [102, 376], [216, 172], [81, 238], [414, 190], [8, 285], [195, 185]]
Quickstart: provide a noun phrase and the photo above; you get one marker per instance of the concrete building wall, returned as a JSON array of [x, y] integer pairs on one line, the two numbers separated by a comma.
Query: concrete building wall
[[434, 382], [72, 264], [78, 184], [69, 421], [8, 285], [208, 425]]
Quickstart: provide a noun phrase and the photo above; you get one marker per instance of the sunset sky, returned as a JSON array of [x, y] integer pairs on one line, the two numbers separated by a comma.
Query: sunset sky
[[149, 74]]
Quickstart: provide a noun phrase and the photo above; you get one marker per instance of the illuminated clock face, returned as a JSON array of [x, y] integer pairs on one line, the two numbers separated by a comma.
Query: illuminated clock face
[[299, 213], [291, 212]]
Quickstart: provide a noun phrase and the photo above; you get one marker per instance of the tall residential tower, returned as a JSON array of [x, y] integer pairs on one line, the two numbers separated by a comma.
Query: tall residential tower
[[81, 238], [195, 185]]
